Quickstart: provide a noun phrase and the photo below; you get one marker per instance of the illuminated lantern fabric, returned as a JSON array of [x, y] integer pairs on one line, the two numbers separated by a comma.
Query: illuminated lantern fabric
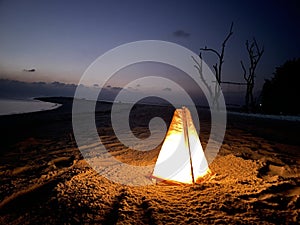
[[181, 158]]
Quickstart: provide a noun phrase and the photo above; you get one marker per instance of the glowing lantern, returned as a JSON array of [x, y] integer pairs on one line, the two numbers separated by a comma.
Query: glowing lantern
[[181, 158]]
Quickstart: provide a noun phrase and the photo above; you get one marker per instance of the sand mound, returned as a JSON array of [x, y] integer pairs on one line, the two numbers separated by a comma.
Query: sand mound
[[237, 194], [250, 186]]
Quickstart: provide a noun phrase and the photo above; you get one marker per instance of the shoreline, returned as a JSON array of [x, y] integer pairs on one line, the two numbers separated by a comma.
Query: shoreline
[[57, 102], [24, 106], [60, 119], [230, 111]]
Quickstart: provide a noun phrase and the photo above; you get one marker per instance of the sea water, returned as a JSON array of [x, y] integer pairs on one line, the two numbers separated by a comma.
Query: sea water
[[16, 106]]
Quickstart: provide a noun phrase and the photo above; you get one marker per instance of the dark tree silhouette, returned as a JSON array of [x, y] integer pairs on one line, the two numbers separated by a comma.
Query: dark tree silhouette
[[254, 53], [218, 65], [280, 95], [199, 66]]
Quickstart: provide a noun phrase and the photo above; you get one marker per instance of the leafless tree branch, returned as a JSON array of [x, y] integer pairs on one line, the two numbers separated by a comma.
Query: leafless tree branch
[[211, 50], [244, 70], [254, 53], [218, 66], [198, 66]]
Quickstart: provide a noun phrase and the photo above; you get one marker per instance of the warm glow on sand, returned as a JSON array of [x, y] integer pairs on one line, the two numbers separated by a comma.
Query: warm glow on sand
[[181, 158]]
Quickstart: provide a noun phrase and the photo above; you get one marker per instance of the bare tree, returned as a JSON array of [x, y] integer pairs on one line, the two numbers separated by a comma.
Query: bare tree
[[199, 66], [254, 53], [218, 66]]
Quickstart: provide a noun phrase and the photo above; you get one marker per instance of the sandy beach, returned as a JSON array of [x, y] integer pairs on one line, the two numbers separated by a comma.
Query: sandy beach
[[45, 179]]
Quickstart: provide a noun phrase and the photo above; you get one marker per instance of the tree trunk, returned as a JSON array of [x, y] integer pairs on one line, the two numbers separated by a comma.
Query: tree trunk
[[216, 97], [254, 53], [252, 103], [247, 98]]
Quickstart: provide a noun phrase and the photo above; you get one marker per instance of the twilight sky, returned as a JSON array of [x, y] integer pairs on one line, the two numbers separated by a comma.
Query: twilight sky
[[60, 39]]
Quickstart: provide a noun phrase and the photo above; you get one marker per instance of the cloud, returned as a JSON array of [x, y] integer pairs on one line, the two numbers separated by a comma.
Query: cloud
[[116, 88], [109, 87], [167, 89], [19, 89], [30, 70], [181, 34]]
